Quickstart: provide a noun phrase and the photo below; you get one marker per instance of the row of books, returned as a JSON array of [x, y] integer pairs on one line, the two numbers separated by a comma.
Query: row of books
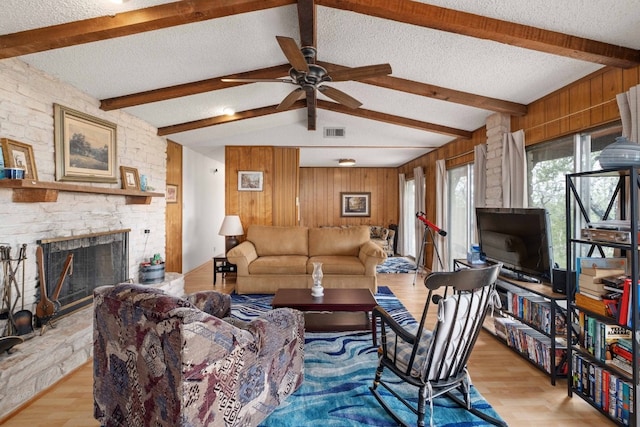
[[532, 343], [597, 337], [534, 309], [604, 288], [606, 390]]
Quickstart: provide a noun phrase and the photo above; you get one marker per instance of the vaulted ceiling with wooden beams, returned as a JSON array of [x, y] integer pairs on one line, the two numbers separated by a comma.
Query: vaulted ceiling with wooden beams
[[396, 78]]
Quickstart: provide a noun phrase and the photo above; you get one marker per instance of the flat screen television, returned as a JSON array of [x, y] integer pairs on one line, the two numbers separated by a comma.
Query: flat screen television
[[519, 238]]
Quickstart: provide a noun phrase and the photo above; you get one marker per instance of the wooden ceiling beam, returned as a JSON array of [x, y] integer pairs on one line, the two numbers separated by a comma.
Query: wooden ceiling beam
[[326, 105], [193, 88], [218, 120], [389, 82], [441, 93], [394, 120], [127, 23], [524, 36]]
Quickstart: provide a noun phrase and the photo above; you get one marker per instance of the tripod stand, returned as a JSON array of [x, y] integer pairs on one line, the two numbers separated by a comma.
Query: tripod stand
[[421, 252]]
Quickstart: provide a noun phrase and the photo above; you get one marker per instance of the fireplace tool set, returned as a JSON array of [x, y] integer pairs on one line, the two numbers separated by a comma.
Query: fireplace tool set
[[18, 323]]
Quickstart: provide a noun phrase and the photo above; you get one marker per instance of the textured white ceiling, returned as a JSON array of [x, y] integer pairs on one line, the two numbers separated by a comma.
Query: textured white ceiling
[[245, 42]]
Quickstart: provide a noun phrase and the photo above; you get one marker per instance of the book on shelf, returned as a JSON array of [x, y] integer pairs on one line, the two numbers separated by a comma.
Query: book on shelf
[[591, 265], [592, 294], [621, 363], [614, 283], [591, 304]]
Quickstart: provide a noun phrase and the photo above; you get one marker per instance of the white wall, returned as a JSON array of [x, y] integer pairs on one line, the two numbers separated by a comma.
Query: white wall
[[203, 208], [26, 115]]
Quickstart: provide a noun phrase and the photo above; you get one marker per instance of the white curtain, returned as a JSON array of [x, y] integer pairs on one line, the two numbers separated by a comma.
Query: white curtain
[[419, 184], [629, 106], [480, 175], [402, 223], [514, 171], [440, 242]]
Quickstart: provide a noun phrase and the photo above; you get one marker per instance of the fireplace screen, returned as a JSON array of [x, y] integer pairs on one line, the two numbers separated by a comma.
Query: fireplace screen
[[98, 259]]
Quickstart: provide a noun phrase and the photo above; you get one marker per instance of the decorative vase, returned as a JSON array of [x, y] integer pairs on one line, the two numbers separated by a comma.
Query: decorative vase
[[317, 290], [621, 153]]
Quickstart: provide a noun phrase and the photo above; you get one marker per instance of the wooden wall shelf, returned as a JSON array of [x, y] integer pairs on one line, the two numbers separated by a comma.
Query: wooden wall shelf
[[30, 191]]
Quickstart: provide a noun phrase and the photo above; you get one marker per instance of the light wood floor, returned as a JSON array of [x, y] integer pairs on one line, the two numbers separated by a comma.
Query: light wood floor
[[521, 394]]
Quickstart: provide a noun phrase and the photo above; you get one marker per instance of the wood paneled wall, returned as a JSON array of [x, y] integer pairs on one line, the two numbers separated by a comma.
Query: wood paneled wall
[[276, 203], [286, 182], [584, 104], [173, 213], [320, 190]]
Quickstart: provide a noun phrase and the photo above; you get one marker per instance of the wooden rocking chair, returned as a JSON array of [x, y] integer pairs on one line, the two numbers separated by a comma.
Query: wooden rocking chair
[[436, 361]]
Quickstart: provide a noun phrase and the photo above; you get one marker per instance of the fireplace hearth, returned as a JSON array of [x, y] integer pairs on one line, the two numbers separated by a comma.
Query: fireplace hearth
[[98, 259]]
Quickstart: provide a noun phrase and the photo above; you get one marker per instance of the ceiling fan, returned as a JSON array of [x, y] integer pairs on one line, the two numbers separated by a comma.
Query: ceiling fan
[[310, 78]]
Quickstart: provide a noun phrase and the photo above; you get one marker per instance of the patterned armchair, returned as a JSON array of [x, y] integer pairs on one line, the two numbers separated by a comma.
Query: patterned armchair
[[161, 361]]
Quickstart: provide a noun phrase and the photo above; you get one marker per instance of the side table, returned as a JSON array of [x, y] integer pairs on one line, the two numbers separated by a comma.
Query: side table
[[222, 265]]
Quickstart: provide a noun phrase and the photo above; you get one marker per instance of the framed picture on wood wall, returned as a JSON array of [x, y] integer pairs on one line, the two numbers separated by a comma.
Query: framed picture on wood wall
[[250, 181], [355, 204], [172, 193], [19, 155], [85, 147]]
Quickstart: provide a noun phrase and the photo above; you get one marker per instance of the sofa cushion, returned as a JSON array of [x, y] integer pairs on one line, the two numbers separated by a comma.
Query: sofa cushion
[[284, 264], [337, 241], [270, 240], [332, 264]]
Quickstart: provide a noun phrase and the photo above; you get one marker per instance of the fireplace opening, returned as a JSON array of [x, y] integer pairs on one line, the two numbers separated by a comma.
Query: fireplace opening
[[98, 259]]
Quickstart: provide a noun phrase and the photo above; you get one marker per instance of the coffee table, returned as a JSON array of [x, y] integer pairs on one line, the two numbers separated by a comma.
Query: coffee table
[[337, 310]]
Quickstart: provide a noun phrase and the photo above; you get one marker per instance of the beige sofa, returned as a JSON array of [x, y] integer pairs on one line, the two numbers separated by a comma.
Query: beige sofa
[[282, 257]]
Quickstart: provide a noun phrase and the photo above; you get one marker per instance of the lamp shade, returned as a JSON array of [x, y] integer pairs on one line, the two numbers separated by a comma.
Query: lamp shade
[[231, 226]]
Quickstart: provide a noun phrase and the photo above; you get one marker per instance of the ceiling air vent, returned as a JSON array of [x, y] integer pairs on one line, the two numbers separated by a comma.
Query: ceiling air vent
[[334, 132]]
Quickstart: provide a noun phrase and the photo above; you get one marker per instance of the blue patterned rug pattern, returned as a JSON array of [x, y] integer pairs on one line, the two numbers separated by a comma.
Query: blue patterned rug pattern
[[396, 264], [339, 369]]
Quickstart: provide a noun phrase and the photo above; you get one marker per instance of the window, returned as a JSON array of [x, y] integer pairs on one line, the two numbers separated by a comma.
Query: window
[[547, 165], [461, 219]]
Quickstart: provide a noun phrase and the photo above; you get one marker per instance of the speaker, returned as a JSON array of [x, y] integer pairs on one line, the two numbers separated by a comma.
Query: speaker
[[559, 280]]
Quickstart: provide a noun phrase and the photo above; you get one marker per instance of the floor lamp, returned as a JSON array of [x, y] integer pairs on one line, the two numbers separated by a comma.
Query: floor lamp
[[231, 228]]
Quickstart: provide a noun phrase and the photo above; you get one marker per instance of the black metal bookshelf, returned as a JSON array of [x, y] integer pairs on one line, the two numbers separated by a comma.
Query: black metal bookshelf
[[593, 376]]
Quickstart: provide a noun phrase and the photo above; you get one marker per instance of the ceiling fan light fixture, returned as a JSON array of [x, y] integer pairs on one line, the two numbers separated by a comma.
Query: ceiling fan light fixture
[[346, 162]]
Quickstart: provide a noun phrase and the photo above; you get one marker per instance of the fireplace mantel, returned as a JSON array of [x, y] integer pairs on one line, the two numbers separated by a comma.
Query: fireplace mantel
[[30, 191]]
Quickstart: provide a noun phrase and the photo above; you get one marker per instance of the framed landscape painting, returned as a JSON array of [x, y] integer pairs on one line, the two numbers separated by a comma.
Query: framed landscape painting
[[249, 181], [355, 204], [85, 147]]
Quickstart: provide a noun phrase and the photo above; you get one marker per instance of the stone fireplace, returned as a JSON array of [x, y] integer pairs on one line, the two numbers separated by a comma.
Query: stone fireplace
[[98, 259]]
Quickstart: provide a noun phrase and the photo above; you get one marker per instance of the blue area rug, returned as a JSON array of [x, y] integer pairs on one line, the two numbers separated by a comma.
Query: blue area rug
[[396, 264], [339, 369]]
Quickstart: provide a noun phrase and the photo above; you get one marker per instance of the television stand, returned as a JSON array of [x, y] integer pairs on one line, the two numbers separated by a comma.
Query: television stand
[[527, 316], [514, 275]]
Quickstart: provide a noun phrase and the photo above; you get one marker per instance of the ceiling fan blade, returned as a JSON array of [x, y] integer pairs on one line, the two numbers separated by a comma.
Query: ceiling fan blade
[[293, 53], [340, 96], [360, 73], [290, 99], [239, 80]]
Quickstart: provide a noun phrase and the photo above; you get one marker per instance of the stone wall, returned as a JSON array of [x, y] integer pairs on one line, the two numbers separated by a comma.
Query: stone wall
[[497, 125], [26, 115], [27, 97]]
